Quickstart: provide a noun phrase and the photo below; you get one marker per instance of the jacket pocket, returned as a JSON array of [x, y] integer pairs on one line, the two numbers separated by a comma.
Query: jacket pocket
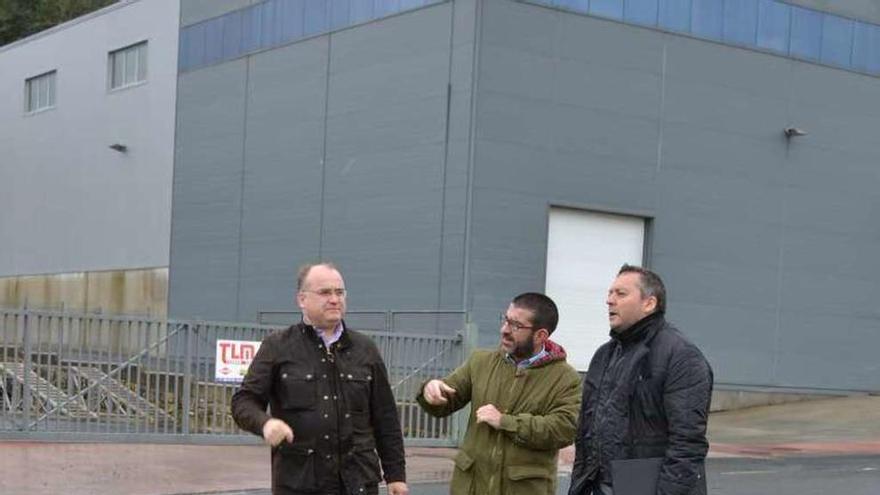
[[298, 387], [528, 479], [356, 387], [361, 427], [363, 470], [463, 474], [294, 468]]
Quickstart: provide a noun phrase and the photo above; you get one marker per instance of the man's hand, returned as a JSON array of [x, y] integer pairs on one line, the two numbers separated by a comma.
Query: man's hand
[[490, 415], [436, 392], [397, 488], [275, 430]]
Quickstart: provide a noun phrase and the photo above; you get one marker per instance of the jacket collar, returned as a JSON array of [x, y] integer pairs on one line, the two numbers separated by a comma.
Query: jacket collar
[[311, 333], [555, 352], [640, 330]]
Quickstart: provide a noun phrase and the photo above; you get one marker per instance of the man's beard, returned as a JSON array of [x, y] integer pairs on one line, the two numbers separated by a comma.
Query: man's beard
[[525, 349]]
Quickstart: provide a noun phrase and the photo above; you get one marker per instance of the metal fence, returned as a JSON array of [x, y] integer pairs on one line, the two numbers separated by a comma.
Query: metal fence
[[66, 376]]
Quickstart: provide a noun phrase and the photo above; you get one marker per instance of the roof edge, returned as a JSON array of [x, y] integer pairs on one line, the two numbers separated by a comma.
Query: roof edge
[[67, 24]]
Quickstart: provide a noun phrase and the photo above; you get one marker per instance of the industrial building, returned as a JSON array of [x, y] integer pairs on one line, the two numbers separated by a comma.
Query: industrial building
[[86, 157], [449, 154]]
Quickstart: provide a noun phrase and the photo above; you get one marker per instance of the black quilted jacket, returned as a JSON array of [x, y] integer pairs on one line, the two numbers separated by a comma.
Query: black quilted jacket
[[646, 394]]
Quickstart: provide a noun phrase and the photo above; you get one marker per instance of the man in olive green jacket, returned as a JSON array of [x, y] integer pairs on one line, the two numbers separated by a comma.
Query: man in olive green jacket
[[524, 405]]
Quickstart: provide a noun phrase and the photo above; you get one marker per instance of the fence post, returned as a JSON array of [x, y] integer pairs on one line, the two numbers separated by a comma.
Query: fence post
[[187, 376], [27, 397], [469, 343]]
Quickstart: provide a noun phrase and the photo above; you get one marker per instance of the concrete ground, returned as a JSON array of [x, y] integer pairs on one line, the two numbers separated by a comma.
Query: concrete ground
[[839, 426]]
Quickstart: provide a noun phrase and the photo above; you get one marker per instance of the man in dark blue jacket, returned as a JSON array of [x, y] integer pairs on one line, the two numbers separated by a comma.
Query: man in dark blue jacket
[[646, 395]]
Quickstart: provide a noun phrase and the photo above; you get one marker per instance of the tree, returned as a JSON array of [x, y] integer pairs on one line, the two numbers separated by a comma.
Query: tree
[[22, 18]]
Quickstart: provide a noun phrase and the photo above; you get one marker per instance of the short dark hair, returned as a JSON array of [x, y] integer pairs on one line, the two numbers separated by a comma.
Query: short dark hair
[[304, 270], [650, 284], [546, 315]]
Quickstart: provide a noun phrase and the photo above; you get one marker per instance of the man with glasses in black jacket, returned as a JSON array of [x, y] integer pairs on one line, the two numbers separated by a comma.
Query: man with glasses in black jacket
[[333, 416]]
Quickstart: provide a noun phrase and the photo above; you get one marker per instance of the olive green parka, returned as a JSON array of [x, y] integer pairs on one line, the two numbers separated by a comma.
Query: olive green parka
[[539, 406]]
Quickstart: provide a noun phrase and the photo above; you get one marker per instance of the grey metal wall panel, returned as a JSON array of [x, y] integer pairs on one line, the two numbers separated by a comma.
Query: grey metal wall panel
[[283, 169], [829, 351], [350, 168], [560, 120], [831, 235], [761, 240], [384, 184], [744, 354], [765, 243], [206, 212]]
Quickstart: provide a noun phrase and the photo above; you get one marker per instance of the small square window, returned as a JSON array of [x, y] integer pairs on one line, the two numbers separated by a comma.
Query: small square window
[[128, 66], [39, 92]]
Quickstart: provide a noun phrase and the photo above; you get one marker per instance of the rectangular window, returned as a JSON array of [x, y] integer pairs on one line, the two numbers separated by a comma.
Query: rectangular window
[[39, 92], [128, 65], [607, 8], [866, 48], [641, 12], [806, 33], [773, 23], [706, 18], [675, 15], [741, 22], [836, 40]]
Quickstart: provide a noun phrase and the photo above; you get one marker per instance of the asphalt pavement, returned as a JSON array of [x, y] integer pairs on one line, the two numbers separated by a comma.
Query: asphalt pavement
[[806, 448], [794, 475]]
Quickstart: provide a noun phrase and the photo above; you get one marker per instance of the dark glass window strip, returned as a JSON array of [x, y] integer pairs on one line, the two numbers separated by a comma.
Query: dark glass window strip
[[769, 25], [276, 22]]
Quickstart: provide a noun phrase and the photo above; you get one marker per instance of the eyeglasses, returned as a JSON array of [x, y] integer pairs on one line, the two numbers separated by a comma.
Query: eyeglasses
[[513, 324], [327, 292]]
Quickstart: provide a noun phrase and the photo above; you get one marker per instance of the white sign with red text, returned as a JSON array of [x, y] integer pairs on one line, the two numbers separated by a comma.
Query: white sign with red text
[[233, 359]]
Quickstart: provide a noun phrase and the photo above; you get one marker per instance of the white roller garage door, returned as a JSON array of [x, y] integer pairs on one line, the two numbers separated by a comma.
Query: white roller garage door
[[584, 251]]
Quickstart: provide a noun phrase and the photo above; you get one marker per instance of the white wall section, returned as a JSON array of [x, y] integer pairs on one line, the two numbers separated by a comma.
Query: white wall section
[[68, 202]]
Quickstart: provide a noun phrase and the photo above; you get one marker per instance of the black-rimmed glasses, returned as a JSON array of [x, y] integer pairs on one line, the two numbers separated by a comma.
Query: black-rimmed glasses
[[513, 324]]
